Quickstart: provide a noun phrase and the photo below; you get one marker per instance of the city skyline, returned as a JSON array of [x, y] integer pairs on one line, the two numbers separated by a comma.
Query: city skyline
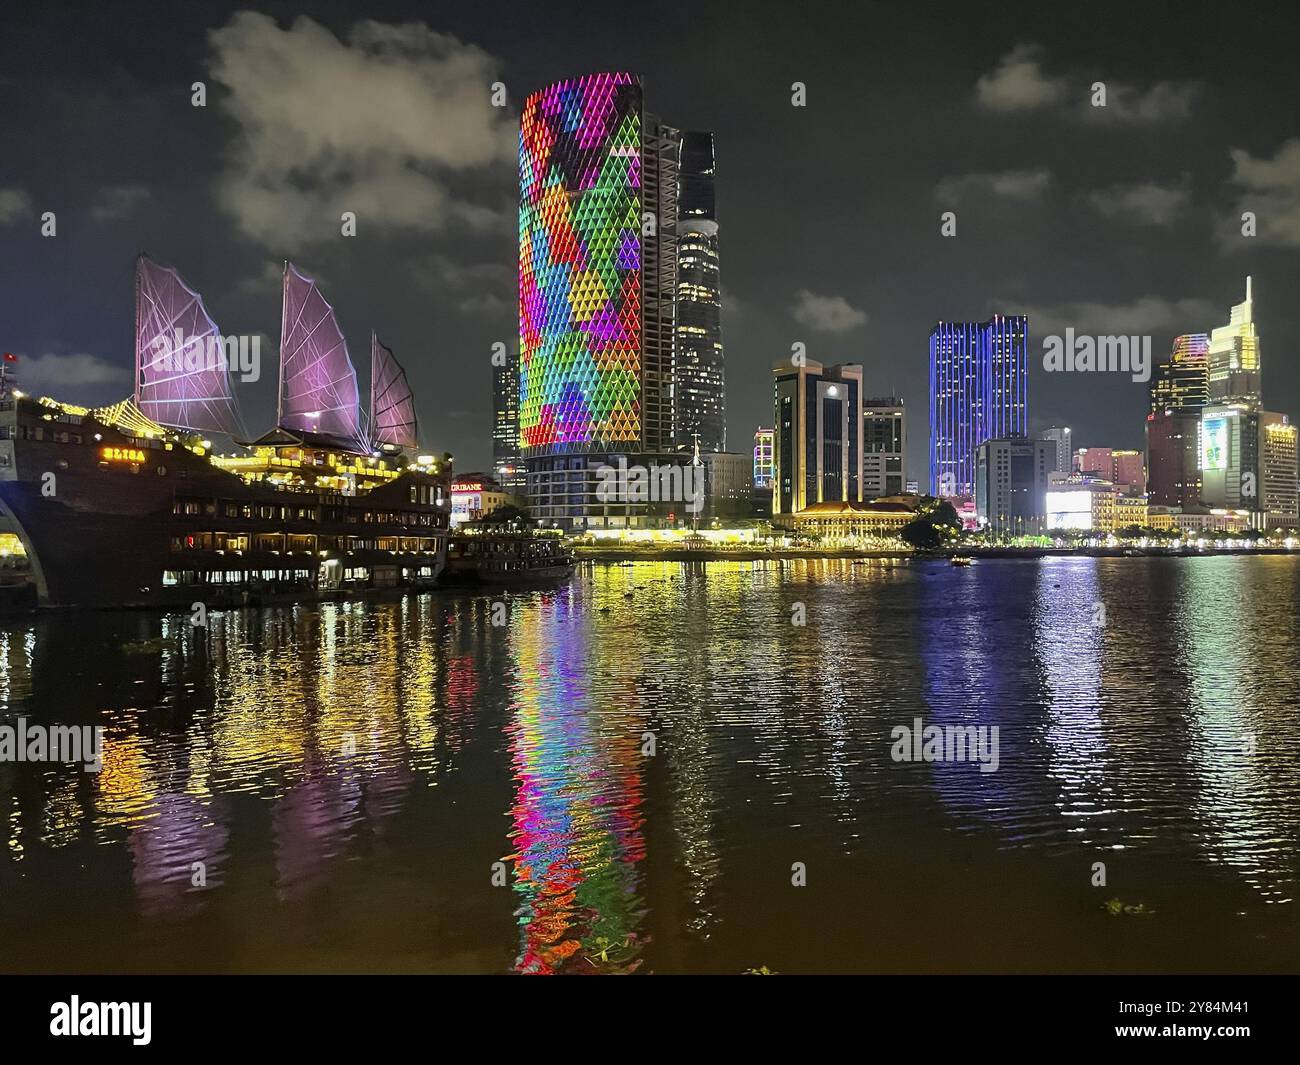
[[569, 489], [446, 280]]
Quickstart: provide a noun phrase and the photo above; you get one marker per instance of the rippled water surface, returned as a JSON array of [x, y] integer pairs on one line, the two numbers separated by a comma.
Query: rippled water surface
[[624, 775]]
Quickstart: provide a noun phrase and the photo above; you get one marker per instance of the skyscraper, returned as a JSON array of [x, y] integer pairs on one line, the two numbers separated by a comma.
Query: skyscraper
[[597, 270], [979, 384], [884, 447], [1233, 356], [1011, 482], [1248, 462], [698, 368], [1059, 436], [1173, 466], [818, 435], [1182, 385], [763, 461], [505, 425], [1180, 389]]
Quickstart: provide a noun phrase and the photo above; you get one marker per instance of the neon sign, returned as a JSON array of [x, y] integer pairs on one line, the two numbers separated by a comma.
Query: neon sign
[[122, 454]]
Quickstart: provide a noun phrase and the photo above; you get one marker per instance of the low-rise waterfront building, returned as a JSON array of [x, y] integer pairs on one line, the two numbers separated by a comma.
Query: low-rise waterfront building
[[852, 524]]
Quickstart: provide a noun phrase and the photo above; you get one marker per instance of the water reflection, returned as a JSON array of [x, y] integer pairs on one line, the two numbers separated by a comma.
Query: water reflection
[[576, 816], [647, 749]]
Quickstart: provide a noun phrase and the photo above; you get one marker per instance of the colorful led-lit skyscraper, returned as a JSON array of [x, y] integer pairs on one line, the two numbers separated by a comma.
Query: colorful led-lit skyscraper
[[979, 390], [597, 270], [699, 385]]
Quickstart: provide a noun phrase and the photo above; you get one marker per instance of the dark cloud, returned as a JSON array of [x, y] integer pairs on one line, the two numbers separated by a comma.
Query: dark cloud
[[1128, 215]]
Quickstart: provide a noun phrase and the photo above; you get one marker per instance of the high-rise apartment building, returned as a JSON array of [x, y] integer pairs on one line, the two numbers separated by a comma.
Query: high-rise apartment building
[[884, 447], [818, 448], [979, 384], [699, 380]]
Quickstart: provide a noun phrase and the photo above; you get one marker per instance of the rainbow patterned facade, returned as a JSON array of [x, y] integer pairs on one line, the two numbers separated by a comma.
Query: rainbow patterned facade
[[580, 258]]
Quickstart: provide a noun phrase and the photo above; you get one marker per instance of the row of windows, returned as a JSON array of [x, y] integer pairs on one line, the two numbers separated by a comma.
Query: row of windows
[[230, 508], [226, 541]]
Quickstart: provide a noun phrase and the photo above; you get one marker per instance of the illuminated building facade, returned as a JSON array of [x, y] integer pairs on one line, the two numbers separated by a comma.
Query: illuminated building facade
[[1232, 358], [1277, 468], [763, 462], [699, 380], [979, 388], [884, 447], [505, 425], [1248, 462], [1011, 484], [599, 196], [1084, 504], [474, 496], [818, 452], [1182, 385]]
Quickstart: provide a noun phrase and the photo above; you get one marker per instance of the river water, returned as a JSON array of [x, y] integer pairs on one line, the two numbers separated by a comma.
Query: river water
[[667, 767]]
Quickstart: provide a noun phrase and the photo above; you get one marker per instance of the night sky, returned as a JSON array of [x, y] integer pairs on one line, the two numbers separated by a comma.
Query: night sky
[[1124, 219]]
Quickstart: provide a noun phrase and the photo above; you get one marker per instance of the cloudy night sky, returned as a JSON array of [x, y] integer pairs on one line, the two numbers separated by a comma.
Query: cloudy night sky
[[1115, 220]]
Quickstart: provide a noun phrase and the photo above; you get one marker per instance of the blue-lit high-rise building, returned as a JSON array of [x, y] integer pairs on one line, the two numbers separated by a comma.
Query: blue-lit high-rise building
[[979, 387]]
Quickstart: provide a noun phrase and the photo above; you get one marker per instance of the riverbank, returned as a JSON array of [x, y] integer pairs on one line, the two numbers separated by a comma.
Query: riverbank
[[680, 554]]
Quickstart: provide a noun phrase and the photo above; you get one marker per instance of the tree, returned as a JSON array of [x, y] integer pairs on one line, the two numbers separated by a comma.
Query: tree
[[936, 524], [921, 534]]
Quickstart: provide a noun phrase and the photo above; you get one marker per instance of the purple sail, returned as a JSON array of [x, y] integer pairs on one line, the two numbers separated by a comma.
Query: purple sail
[[318, 386], [392, 407], [182, 363]]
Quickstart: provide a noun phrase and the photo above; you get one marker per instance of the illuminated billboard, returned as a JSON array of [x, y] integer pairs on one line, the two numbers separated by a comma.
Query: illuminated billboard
[[1214, 444], [1069, 509]]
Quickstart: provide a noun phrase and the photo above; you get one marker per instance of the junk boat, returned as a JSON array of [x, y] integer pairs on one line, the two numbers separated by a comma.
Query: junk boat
[[127, 505]]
